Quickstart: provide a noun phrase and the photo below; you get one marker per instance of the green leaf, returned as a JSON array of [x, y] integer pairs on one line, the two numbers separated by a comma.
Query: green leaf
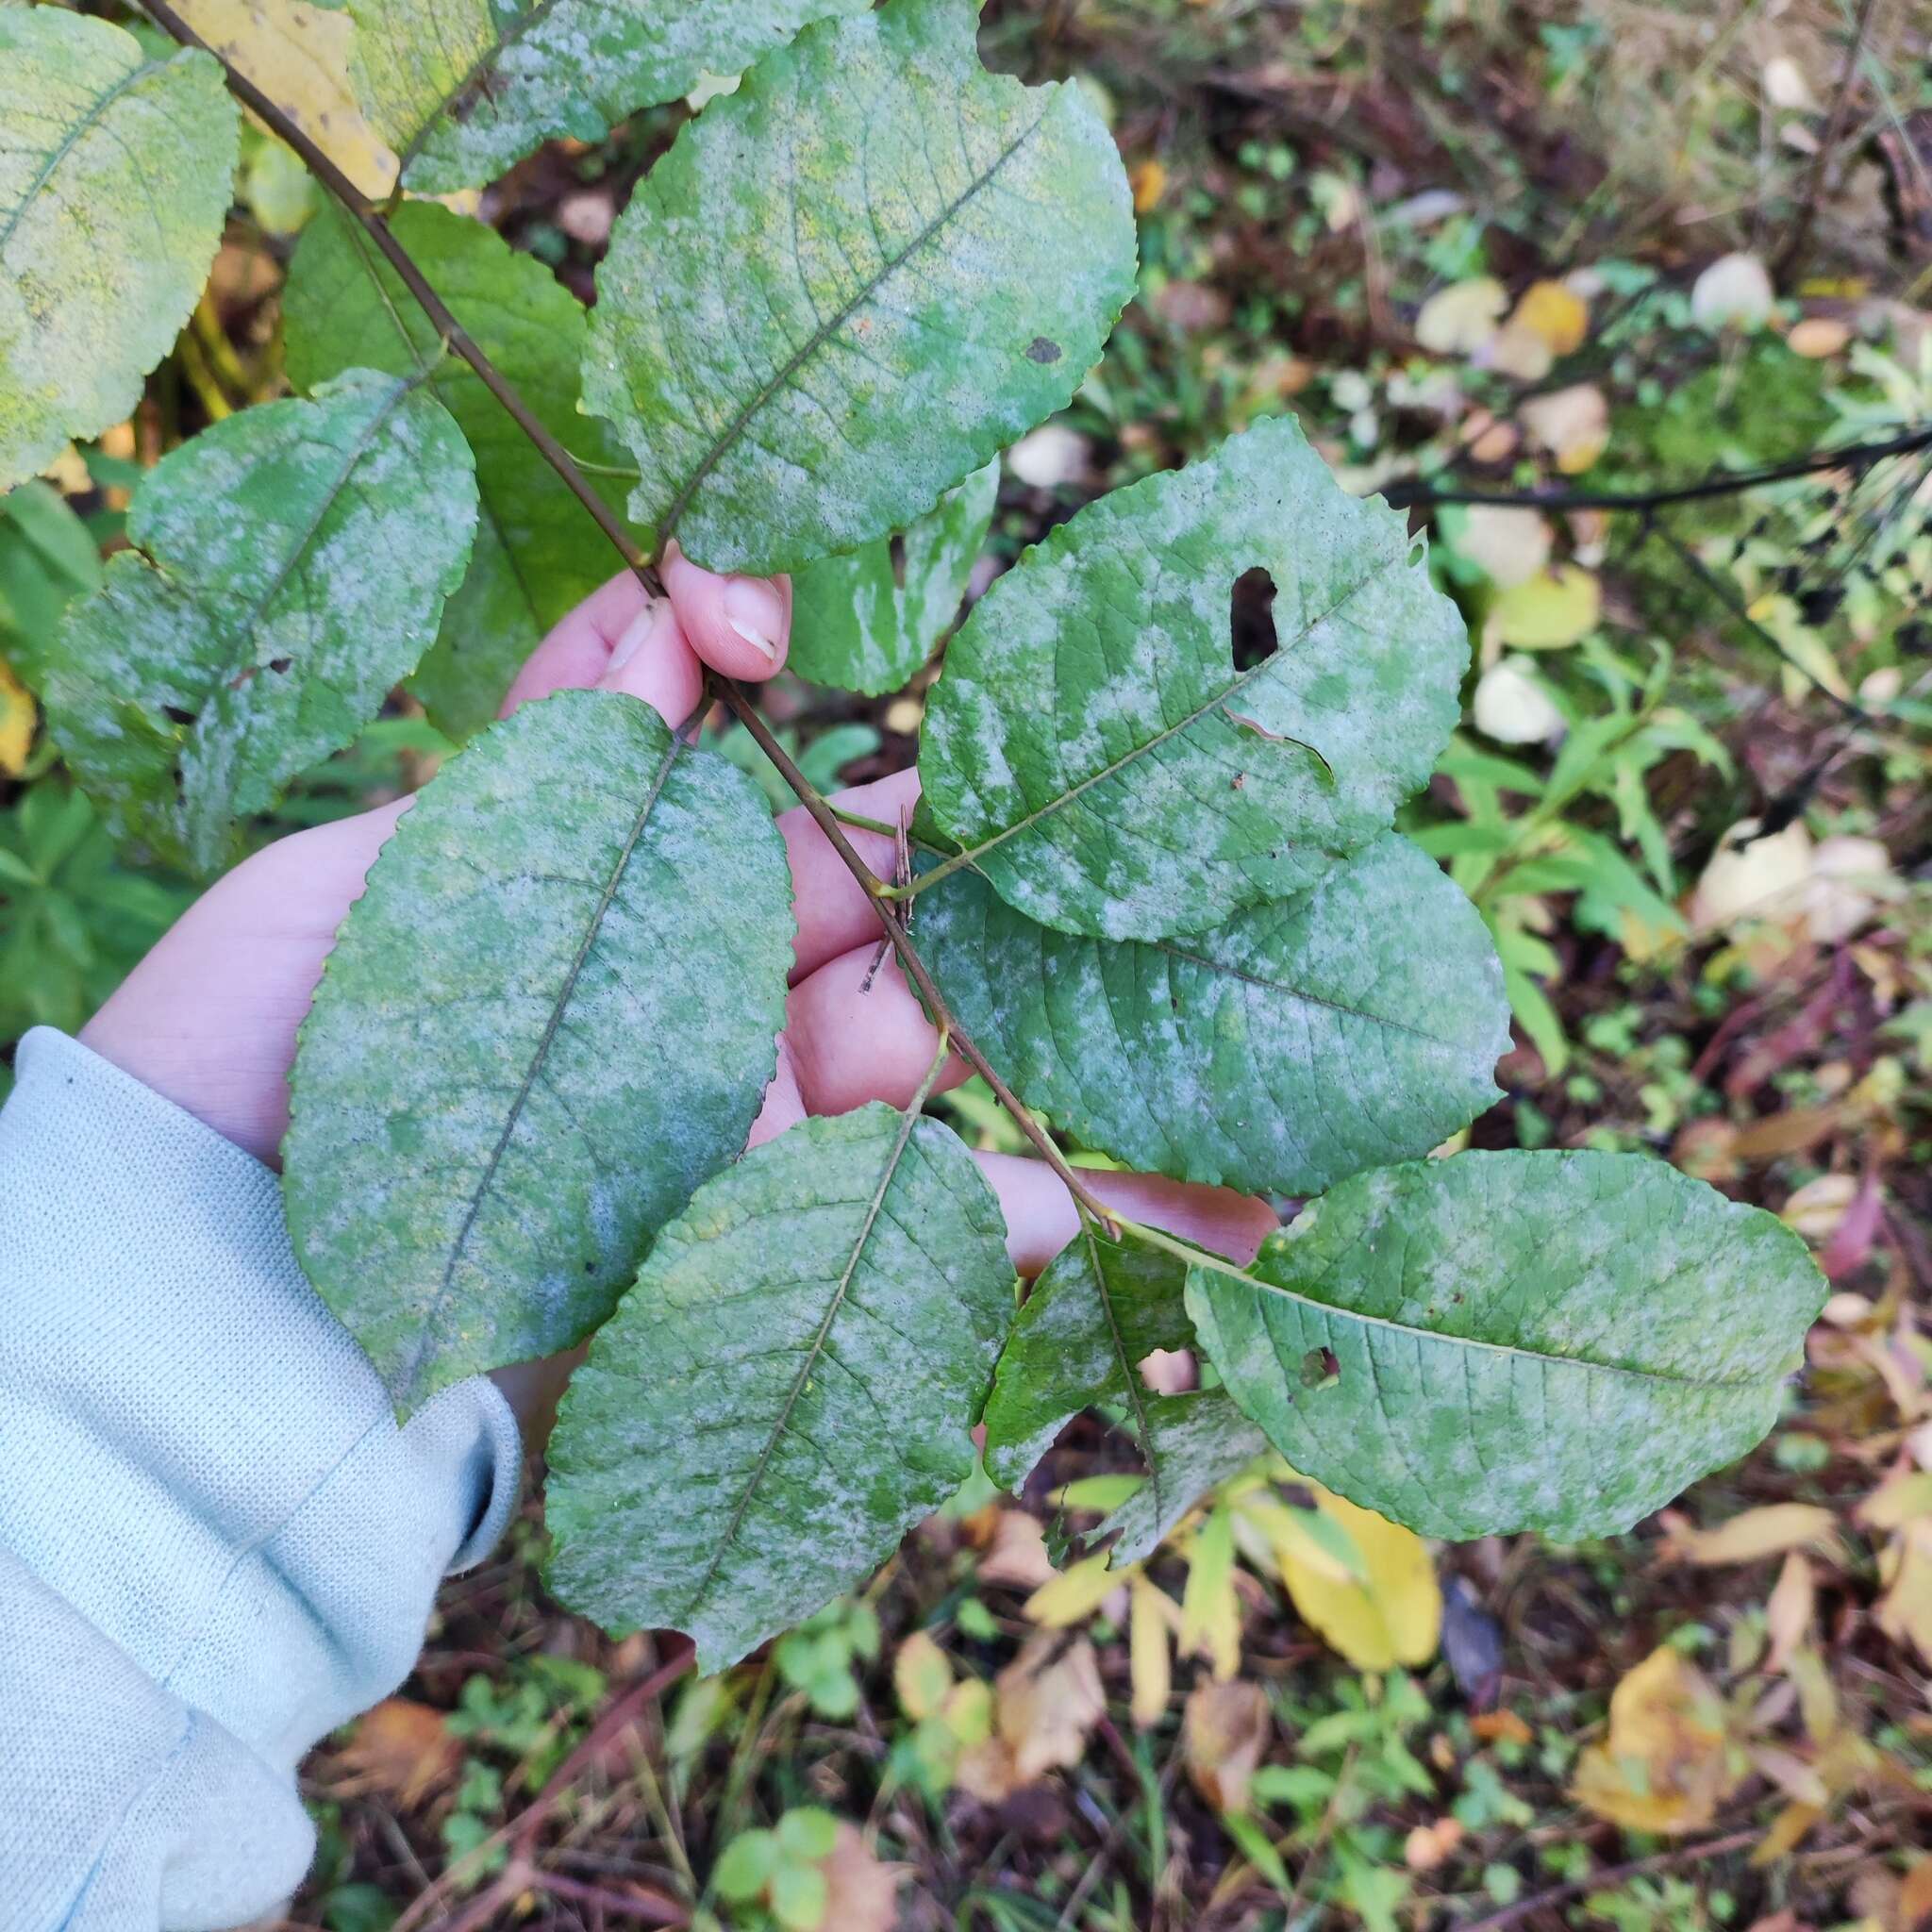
[[1200, 1439], [788, 1389], [746, 1867], [800, 1895], [1095, 751], [1353, 1024], [1098, 1310], [47, 558], [113, 186], [850, 283], [868, 621], [550, 1016], [463, 89], [537, 552], [1549, 1341], [291, 567]]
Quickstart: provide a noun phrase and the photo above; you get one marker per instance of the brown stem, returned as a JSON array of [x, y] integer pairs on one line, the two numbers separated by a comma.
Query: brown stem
[[418, 285]]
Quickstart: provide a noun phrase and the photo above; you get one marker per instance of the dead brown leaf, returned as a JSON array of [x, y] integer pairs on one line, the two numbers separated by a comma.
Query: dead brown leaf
[[1223, 1732], [403, 1750], [861, 1890]]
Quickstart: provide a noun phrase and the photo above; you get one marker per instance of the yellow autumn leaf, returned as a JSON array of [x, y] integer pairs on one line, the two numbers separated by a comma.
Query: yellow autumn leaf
[[1558, 316], [1549, 611], [298, 55], [1149, 183], [17, 719], [1459, 319], [1904, 1612], [1074, 1594], [921, 1675], [1290, 1534], [1668, 1761], [1394, 1615], [1152, 1614], [1210, 1607], [1895, 1504], [1755, 1534]]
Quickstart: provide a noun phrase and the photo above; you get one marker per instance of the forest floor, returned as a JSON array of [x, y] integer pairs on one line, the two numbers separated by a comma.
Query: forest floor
[[1477, 247]]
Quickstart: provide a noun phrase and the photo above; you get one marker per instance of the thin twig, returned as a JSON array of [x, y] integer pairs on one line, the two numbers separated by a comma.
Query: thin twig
[[1419, 495], [1613, 1875], [1792, 254]]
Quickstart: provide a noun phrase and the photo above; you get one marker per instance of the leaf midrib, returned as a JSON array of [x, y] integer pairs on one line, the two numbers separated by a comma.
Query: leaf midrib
[[440, 1304], [506, 37], [1213, 1265], [1130, 1371], [1241, 680], [908, 1121], [828, 329], [96, 111]]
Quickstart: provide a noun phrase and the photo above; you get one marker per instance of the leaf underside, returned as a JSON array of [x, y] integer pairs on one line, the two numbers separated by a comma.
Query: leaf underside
[[788, 1388], [849, 284], [1094, 747], [549, 1018], [290, 568], [867, 621], [1507, 1342], [114, 179], [1304, 1040], [1201, 1440], [536, 554], [464, 88]]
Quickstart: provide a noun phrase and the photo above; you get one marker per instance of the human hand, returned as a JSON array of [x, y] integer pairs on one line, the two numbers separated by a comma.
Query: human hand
[[209, 1018]]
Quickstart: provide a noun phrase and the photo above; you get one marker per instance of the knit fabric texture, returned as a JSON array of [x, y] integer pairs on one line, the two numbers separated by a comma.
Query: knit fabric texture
[[215, 1543]]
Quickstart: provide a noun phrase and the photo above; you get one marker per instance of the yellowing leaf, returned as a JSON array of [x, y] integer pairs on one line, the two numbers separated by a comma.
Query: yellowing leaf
[[1758, 1533], [1074, 1594], [1459, 319], [1148, 180], [1211, 1607], [1508, 544], [1557, 315], [1223, 1732], [298, 55], [1572, 423], [1904, 1568], [17, 720], [1668, 1761], [1394, 1615], [1314, 1542], [921, 1675], [1788, 1610], [1151, 1615], [1551, 610], [1898, 1502]]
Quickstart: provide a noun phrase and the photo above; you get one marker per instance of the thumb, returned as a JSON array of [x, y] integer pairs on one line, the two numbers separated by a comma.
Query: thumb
[[739, 625]]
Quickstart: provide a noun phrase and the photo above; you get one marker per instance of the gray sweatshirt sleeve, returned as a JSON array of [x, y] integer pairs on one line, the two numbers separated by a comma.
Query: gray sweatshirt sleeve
[[216, 1544]]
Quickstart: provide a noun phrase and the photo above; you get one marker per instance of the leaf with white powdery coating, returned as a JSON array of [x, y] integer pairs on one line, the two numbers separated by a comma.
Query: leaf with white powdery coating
[[1098, 1310], [1353, 1024], [290, 568], [114, 180], [537, 554], [1201, 1440], [849, 284], [868, 621], [787, 1390], [550, 1016], [1507, 1342], [1093, 748], [464, 88]]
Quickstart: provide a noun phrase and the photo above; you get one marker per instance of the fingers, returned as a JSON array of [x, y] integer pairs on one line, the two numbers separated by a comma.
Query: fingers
[[857, 1032], [1042, 1218], [621, 638], [835, 911], [739, 625]]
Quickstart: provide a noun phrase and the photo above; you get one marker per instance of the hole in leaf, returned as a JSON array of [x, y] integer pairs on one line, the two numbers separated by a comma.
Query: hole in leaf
[[1251, 619], [1320, 1367], [895, 549], [177, 715], [1042, 349], [279, 664]]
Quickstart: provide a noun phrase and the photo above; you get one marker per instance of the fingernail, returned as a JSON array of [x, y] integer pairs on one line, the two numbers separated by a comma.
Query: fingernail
[[755, 611], [631, 641]]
